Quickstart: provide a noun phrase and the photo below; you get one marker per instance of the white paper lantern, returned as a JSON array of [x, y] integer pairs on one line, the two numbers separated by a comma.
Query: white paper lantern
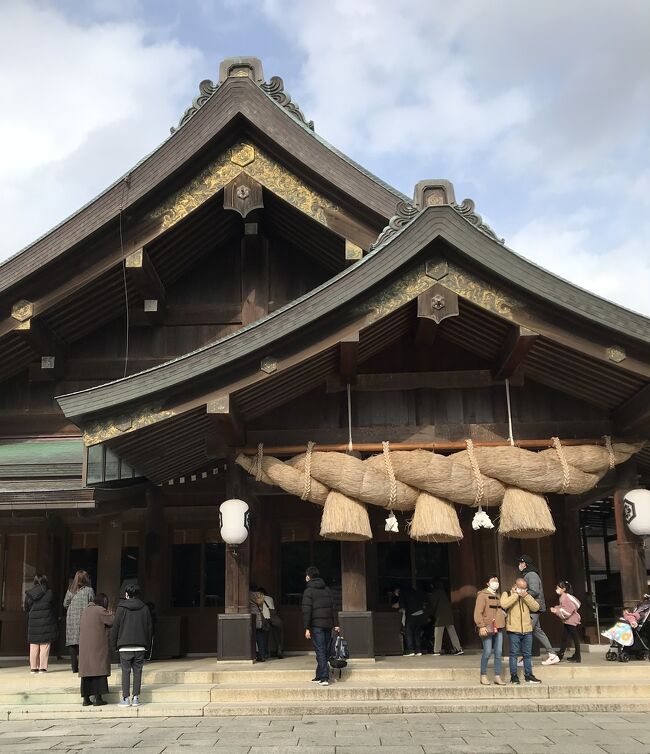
[[233, 520], [636, 511]]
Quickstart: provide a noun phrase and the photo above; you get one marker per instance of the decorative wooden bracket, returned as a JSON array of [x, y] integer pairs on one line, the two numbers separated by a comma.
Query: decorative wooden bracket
[[44, 343], [437, 303], [141, 272], [225, 418], [348, 358], [243, 194], [517, 344]]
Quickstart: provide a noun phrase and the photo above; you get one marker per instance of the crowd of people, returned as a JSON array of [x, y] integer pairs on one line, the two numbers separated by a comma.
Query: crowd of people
[[92, 634], [516, 613], [93, 631]]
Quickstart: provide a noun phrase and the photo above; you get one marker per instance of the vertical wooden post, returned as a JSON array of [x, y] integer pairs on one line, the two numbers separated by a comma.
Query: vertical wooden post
[[155, 585], [355, 619], [631, 555], [254, 275], [109, 556], [353, 575], [236, 633], [464, 577]]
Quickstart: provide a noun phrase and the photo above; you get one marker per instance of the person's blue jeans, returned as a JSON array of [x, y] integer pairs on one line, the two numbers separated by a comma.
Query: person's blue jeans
[[521, 645], [321, 638], [492, 644]]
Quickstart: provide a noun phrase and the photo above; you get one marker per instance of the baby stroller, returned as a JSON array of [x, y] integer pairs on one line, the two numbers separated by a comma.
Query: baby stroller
[[630, 636]]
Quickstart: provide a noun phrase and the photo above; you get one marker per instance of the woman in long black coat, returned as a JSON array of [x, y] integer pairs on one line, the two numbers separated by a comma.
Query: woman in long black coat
[[42, 624]]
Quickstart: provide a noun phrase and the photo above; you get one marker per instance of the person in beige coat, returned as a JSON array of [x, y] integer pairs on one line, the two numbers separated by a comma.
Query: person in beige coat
[[490, 621], [94, 653], [518, 605]]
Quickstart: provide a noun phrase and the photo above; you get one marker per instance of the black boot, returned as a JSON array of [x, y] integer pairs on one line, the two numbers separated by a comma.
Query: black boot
[[98, 701], [86, 702]]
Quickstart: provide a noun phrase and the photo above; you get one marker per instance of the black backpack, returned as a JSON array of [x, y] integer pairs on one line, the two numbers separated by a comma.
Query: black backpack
[[339, 654]]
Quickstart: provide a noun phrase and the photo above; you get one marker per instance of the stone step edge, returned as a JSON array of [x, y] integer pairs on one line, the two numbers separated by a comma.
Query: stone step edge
[[63, 711]]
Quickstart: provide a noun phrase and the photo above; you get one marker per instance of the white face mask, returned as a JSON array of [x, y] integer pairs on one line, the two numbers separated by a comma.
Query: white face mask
[[494, 585]]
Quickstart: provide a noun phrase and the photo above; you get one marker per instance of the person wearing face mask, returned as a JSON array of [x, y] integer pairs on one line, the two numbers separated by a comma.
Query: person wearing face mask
[[490, 622], [567, 612], [529, 571], [519, 605]]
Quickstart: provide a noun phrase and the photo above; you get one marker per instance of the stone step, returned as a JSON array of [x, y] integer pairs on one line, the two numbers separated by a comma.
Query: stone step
[[219, 709], [173, 693], [272, 673], [386, 692]]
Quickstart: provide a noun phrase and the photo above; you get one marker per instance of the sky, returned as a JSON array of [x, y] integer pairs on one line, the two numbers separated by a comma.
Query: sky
[[539, 112]]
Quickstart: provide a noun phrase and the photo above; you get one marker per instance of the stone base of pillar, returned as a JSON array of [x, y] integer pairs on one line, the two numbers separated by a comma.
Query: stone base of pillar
[[357, 629], [236, 636]]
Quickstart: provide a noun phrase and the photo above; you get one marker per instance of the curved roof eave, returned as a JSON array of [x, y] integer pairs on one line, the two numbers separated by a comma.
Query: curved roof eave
[[227, 101], [352, 282]]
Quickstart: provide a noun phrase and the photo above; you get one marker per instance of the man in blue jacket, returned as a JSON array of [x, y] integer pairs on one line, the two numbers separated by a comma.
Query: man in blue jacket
[[533, 579], [319, 619]]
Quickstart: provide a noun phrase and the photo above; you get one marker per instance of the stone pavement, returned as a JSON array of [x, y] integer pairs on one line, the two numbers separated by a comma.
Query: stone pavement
[[482, 733]]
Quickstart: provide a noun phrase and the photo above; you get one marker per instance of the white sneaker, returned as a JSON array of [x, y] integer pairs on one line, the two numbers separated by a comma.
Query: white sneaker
[[324, 683], [552, 659], [410, 654], [418, 654]]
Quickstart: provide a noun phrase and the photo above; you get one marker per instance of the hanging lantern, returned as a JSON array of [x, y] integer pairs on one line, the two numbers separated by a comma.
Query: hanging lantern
[[636, 511], [234, 521]]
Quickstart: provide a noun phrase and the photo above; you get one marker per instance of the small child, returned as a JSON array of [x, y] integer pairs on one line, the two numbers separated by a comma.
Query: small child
[[567, 612], [131, 637]]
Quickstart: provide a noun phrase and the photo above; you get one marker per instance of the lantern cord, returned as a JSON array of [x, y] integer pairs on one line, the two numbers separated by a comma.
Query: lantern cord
[[510, 437], [349, 419]]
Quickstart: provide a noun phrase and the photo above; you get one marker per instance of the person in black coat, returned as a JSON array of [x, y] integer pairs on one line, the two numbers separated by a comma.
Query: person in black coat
[[319, 619], [131, 636], [42, 624]]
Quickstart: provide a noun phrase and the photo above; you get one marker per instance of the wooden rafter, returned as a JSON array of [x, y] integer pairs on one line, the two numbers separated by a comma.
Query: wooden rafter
[[634, 414], [517, 344]]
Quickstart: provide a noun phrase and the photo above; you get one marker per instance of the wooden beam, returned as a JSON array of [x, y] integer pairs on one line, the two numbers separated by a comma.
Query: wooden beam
[[254, 275], [438, 447], [471, 378], [603, 489], [49, 349], [348, 359], [225, 419], [634, 414], [426, 331], [141, 272], [517, 344]]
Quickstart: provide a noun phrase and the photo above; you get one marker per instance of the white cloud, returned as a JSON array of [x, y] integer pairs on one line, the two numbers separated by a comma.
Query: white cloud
[[81, 105], [564, 245], [536, 108]]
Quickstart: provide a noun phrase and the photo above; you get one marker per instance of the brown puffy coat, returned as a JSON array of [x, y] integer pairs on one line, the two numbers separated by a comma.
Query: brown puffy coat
[[94, 655]]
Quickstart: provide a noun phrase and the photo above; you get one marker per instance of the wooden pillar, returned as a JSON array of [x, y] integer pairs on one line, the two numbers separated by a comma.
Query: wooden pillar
[[109, 556], [464, 577], [236, 634], [631, 555], [155, 583], [353, 575]]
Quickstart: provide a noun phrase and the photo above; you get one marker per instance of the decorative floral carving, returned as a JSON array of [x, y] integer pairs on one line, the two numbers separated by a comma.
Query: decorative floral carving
[[616, 354], [438, 301], [206, 89], [404, 215], [275, 89], [466, 210], [262, 168]]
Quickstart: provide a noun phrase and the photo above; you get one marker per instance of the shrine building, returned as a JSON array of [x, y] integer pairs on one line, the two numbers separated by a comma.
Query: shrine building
[[248, 313]]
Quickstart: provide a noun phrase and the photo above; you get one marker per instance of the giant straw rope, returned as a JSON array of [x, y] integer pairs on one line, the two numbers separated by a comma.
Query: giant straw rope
[[430, 483]]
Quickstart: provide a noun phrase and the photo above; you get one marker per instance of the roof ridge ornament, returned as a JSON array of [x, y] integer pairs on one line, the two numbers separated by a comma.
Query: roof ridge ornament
[[275, 89], [206, 89], [466, 210], [405, 213], [244, 68]]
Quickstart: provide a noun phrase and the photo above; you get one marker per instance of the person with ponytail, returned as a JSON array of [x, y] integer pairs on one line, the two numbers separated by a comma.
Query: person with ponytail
[[567, 612]]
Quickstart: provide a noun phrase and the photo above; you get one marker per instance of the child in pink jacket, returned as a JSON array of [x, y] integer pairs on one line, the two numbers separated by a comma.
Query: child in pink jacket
[[567, 612]]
